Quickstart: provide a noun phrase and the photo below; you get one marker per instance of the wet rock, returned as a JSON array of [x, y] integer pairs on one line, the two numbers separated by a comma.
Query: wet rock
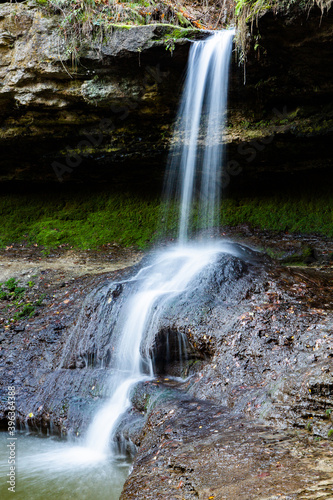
[[194, 449], [258, 354], [32, 353]]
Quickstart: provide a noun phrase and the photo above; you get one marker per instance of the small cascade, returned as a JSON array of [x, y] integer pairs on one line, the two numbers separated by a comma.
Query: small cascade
[[160, 283], [120, 327], [198, 153]]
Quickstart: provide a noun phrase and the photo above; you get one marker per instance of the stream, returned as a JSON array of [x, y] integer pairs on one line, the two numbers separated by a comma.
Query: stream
[[48, 467], [93, 468]]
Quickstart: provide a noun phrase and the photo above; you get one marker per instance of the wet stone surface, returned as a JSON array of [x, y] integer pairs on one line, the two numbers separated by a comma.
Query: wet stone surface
[[195, 449], [31, 349], [253, 418], [263, 350]]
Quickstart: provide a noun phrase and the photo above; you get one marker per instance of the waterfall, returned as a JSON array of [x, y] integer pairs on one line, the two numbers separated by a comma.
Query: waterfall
[[195, 162], [198, 151], [168, 276]]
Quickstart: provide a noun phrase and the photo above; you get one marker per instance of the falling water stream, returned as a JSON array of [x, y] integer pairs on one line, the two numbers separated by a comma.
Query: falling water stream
[[196, 157], [195, 167], [171, 271]]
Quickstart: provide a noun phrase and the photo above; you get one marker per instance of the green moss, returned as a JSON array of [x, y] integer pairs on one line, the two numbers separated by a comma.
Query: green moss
[[286, 213], [81, 220], [15, 300], [305, 256], [92, 219], [304, 214], [274, 254], [28, 310], [253, 7], [179, 33]]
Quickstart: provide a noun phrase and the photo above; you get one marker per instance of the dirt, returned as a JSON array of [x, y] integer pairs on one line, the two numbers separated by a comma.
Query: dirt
[[22, 261]]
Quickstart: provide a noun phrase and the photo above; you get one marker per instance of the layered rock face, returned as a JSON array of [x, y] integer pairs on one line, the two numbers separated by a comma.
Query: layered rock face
[[281, 105], [115, 103], [112, 111]]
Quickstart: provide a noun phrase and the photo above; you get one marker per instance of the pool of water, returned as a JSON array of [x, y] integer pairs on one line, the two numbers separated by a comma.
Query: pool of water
[[56, 469]]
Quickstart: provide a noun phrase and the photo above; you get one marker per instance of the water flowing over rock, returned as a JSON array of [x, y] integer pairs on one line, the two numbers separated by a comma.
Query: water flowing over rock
[[96, 107], [258, 341], [220, 347], [172, 271], [53, 113]]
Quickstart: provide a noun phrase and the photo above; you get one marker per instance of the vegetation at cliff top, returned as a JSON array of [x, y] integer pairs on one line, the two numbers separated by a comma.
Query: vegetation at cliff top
[[253, 8], [247, 12], [205, 14], [82, 22], [92, 219], [90, 13]]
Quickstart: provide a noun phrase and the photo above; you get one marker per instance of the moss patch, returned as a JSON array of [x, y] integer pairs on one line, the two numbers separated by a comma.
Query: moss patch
[[303, 214], [81, 220], [90, 220], [16, 301]]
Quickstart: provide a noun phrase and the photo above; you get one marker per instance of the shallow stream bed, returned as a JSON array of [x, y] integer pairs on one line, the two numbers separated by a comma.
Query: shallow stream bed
[[51, 468]]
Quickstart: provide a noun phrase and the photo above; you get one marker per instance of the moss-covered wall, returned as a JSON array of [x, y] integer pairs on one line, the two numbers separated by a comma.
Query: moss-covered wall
[[107, 121]]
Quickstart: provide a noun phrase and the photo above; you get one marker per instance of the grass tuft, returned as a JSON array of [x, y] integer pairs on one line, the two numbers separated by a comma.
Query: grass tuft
[[247, 12]]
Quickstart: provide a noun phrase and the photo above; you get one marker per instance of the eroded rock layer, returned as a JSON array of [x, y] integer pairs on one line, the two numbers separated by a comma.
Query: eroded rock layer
[[113, 108]]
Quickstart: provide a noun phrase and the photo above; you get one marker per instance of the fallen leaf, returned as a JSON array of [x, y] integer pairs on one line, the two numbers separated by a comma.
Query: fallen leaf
[[264, 474]]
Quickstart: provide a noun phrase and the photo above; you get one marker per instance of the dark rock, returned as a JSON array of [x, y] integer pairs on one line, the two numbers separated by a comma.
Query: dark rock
[[258, 354], [194, 449], [96, 111], [281, 118], [128, 88]]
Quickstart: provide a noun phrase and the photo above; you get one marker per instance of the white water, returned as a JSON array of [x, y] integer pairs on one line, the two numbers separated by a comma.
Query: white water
[[201, 115], [47, 468], [201, 121], [168, 276], [195, 163]]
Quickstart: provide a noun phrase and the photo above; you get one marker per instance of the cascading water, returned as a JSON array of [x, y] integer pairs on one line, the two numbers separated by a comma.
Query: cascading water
[[195, 163], [195, 166], [167, 277], [201, 117]]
